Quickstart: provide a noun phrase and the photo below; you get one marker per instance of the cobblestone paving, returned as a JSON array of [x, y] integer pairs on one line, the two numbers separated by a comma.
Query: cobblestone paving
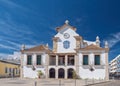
[[43, 82], [111, 83]]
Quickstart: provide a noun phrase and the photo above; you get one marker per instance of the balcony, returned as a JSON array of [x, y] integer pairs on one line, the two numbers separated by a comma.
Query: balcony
[[71, 60], [52, 60], [62, 60]]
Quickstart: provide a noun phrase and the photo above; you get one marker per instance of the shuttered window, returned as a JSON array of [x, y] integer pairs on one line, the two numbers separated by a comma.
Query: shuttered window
[[6, 70], [29, 60], [97, 59], [85, 59], [38, 59]]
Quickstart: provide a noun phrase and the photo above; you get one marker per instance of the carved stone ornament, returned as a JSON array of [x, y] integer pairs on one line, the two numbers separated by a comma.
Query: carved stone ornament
[[91, 68], [33, 68]]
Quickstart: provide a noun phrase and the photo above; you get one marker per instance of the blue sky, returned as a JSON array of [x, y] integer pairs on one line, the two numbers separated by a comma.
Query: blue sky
[[33, 22]]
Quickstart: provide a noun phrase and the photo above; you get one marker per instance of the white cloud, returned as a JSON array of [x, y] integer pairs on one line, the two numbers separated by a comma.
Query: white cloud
[[115, 50], [90, 42], [12, 4], [23, 9], [113, 39], [10, 30], [13, 43], [8, 47], [3, 55]]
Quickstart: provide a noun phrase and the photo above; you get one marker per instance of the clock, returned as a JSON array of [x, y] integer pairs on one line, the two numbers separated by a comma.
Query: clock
[[66, 35]]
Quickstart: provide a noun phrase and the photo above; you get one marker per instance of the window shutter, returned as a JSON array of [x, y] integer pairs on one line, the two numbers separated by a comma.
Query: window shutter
[[85, 59], [38, 59], [29, 60], [97, 59]]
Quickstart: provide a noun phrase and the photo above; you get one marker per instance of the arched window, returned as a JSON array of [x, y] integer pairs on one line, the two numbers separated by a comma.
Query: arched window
[[66, 44], [52, 73], [70, 73], [61, 73]]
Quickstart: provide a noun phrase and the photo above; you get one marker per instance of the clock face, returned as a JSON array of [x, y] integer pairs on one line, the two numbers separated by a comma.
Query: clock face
[[66, 35]]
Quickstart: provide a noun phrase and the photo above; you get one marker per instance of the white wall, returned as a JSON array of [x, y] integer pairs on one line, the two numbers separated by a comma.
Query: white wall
[[27, 70], [29, 73], [72, 40], [98, 73]]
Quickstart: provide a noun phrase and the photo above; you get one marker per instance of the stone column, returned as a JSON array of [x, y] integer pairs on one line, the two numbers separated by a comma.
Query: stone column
[[76, 57], [56, 69], [66, 60], [56, 60], [65, 73], [56, 73]]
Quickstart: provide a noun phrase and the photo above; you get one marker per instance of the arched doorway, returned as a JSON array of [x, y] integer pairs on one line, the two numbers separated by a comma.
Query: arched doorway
[[52, 73], [70, 73], [61, 73]]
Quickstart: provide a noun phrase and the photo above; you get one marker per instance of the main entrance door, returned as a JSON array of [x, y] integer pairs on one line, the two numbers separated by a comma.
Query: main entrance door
[[61, 73], [52, 73], [70, 73]]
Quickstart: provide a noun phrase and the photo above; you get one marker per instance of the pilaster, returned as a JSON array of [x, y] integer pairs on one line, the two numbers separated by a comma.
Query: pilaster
[[65, 73], [76, 57], [56, 60], [56, 73], [107, 65], [34, 56], [91, 59], [66, 60]]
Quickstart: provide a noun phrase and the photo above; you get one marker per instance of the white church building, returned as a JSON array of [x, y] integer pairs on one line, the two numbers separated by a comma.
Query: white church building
[[70, 53]]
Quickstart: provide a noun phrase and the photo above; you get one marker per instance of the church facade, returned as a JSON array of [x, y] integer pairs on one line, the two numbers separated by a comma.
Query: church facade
[[71, 55]]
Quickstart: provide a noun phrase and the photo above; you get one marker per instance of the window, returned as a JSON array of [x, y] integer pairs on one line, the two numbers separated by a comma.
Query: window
[[16, 70], [61, 60], [9, 70], [38, 59], [97, 59], [71, 60], [6, 70], [66, 44], [52, 60], [85, 59], [29, 60]]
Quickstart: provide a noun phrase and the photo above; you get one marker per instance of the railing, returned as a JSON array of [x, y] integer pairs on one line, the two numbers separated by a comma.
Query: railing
[[53, 63]]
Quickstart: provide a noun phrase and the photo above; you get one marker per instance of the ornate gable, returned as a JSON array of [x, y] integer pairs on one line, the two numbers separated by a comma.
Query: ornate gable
[[66, 25]]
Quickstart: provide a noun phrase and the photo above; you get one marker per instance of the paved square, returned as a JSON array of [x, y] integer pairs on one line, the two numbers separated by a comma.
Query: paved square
[[44, 82]]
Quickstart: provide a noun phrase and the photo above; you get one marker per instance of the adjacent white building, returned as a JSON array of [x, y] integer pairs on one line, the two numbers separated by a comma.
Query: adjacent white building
[[70, 53], [14, 56], [115, 66]]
